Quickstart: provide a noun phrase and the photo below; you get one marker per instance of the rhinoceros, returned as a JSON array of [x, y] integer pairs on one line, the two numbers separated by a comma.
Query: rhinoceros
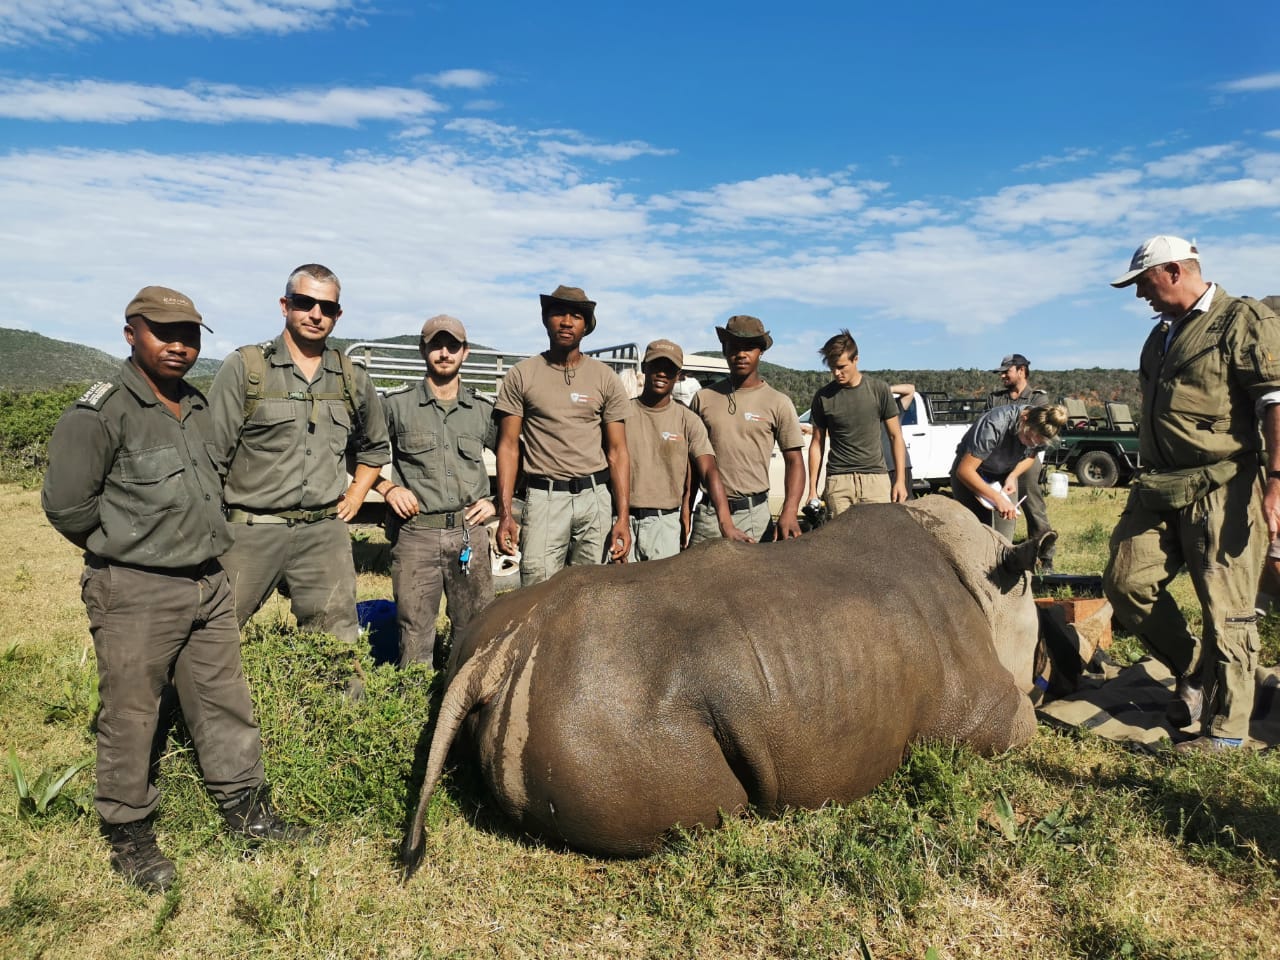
[[609, 705]]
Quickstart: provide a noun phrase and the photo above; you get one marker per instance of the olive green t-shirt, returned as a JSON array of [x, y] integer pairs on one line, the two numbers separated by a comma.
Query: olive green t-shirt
[[660, 442], [564, 412], [852, 417], [743, 426]]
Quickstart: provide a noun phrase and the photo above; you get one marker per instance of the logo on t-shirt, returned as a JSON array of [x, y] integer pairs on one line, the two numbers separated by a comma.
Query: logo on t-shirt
[[580, 397], [668, 435], [752, 417]]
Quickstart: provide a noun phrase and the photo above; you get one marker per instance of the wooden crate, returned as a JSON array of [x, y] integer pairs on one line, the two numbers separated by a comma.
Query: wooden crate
[[1080, 608]]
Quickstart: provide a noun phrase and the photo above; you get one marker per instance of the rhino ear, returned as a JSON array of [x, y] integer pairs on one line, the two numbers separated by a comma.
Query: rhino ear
[[1024, 557]]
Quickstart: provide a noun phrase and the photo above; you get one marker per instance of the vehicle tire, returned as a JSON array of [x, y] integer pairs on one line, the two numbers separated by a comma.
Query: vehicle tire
[[1097, 468]]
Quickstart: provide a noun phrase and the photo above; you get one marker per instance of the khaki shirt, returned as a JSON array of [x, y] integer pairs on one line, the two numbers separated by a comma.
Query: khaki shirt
[[438, 448], [660, 442], [1199, 396], [562, 435], [743, 426], [133, 483], [276, 460]]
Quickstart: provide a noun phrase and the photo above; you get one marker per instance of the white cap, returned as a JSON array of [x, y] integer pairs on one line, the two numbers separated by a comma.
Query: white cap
[[1154, 252]]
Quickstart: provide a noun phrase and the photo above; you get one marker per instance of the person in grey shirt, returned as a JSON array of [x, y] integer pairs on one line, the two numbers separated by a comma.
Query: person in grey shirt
[[286, 414], [131, 482]]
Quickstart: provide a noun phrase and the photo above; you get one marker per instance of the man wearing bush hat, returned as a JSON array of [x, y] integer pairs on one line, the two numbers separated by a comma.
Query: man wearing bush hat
[[561, 417], [132, 483], [745, 417], [1014, 371], [664, 436], [1210, 376]]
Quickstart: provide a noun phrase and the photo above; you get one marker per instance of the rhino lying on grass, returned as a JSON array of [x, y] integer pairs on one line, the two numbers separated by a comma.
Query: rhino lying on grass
[[610, 704]]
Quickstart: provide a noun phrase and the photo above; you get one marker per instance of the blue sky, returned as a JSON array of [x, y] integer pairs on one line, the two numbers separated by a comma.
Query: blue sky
[[951, 182]]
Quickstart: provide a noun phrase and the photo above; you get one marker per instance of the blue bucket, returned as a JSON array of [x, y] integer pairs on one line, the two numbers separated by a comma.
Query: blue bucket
[[384, 632]]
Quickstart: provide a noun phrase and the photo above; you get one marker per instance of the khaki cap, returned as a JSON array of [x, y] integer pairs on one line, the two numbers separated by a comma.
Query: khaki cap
[[162, 305], [443, 322], [665, 349]]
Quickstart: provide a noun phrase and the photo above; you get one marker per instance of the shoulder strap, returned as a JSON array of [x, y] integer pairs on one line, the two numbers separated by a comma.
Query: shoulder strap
[[97, 395], [254, 357], [349, 387]]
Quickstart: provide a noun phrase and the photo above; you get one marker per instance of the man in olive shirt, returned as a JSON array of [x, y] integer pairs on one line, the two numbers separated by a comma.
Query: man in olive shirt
[[285, 415], [1210, 377], [745, 417], [663, 437], [852, 411], [1015, 372], [562, 414], [439, 498], [131, 482]]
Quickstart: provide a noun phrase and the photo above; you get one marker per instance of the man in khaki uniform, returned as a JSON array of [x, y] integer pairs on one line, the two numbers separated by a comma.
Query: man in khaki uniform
[[745, 417], [561, 417], [1209, 371], [285, 415], [439, 499], [663, 437], [130, 481], [852, 411], [1015, 373]]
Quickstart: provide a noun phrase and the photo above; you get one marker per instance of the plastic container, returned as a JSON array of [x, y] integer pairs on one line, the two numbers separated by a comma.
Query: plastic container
[[1058, 485]]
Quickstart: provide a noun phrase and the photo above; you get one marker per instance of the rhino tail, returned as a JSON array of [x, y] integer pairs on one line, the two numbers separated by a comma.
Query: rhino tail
[[475, 681]]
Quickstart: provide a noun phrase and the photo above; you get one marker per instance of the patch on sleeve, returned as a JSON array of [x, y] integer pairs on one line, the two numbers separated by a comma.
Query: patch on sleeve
[[96, 395]]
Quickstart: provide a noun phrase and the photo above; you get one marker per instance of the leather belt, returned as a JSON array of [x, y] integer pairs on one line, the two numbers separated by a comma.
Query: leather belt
[[641, 513], [572, 485], [749, 501], [289, 517]]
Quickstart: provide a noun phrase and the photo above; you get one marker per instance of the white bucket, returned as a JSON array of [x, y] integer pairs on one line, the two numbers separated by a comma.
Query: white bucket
[[1058, 485]]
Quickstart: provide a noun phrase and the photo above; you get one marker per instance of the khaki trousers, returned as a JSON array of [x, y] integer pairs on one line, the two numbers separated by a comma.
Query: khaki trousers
[[424, 565], [559, 529], [1220, 540], [312, 562], [653, 538], [150, 628], [846, 489], [755, 522]]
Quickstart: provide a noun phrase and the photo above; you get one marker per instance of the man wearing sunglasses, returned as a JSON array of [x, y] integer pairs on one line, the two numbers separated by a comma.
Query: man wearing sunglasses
[[439, 497], [286, 415]]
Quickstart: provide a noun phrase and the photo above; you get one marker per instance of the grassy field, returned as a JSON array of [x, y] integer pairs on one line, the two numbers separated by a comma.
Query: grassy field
[[1070, 847]]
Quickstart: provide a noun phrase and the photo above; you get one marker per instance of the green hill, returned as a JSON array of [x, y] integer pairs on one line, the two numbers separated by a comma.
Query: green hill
[[32, 361]]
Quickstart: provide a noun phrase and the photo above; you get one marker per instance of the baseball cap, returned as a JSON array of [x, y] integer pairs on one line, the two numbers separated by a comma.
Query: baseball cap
[[162, 305], [1157, 250], [745, 327], [664, 349], [1012, 360], [443, 322]]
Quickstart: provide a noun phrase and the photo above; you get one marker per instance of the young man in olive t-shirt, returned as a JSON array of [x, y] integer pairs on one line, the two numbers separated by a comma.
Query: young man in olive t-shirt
[[563, 413], [662, 438], [745, 417], [851, 411]]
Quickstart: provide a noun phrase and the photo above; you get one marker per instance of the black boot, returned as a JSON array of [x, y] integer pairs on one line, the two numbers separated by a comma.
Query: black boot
[[135, 856], [249, 814]]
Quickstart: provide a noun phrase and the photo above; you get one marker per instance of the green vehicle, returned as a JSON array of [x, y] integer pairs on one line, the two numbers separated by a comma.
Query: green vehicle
[[1100, 451]]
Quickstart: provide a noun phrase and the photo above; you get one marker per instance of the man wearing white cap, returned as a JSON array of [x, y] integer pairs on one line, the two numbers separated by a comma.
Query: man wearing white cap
[[1210, 373], [439, 494]]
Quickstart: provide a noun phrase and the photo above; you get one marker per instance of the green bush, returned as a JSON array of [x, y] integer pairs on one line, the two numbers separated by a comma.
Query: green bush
[[27, 420]]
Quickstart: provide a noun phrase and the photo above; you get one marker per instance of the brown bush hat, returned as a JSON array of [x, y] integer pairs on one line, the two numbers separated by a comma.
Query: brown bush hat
[[665, 348], [443, 322], [572, 297], [162, 305], [745, 327]]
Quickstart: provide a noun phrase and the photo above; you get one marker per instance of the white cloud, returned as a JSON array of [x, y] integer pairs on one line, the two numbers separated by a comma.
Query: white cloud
[[607, 152], [461, 79], [1263, 81], [101, 102], [1189, 163], [1070, 156], [1104, 198], [781, 197], [27, 21]]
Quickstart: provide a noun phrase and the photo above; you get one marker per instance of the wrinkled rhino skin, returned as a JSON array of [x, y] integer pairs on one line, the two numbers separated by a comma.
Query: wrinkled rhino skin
[[608, 705]]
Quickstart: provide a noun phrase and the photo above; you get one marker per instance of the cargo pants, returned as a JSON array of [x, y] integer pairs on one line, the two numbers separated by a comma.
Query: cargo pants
[[1220, 540], [424, 565], [559, 529], [844, 490], [147, 627], [312, 560], [655, 537], [755, 522]]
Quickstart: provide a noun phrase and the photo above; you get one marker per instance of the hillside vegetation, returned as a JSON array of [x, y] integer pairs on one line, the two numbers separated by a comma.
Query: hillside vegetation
[[32, 361]]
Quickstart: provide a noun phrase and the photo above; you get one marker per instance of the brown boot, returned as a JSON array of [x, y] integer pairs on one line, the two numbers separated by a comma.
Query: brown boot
[[135, 856], [1187, 703]]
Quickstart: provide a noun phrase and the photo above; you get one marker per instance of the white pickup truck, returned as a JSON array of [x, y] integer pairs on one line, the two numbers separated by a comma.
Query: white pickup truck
[[932, 427]]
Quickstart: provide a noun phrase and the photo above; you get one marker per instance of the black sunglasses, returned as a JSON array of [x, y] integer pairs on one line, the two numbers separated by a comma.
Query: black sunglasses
[[300, 301]]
